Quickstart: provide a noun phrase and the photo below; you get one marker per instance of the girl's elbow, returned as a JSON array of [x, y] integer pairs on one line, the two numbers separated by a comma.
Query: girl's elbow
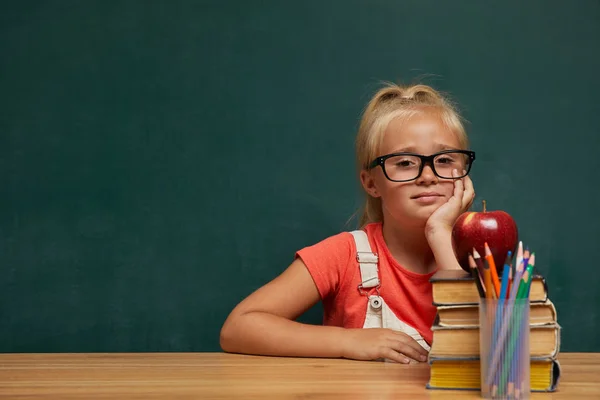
[[227, 337]]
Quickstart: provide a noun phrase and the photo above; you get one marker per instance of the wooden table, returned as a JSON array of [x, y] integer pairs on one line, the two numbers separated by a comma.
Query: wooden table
[[225, 376]]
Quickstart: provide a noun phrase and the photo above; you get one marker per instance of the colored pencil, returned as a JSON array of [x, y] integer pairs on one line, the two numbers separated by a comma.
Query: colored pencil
[[512, 358], [490, 293], [507, 321], [514, 266], [505, 276], [519, 257], [475, 275], [489, 258], [510, 278], [515, 378], [478, 261], [516, 279], [526, 255], [501, 305]]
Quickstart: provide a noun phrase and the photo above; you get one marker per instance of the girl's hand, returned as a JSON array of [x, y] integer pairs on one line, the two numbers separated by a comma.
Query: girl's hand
[[444, 217], [376, 343]]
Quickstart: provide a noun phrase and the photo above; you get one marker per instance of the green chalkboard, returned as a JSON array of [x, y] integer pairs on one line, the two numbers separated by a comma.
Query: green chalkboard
[[160, 160]]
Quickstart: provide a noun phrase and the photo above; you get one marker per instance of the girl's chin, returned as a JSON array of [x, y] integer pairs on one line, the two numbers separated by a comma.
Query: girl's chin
[[415, 216], [416, 219], [423, 213]]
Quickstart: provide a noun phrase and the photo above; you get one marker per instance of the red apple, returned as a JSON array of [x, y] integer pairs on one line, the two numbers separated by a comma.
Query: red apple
[[473, 229]]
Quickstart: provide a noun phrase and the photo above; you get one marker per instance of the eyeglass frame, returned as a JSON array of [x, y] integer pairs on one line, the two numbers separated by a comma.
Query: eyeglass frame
[[425, 160]]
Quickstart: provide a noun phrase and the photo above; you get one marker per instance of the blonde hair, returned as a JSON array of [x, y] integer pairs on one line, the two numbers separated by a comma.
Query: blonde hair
[[391, 102]]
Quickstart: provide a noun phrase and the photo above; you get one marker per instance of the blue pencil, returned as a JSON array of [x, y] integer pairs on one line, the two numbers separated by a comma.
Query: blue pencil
[[504, 287]]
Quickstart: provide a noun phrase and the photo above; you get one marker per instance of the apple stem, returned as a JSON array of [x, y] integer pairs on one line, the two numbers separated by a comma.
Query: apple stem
[[483, 201]]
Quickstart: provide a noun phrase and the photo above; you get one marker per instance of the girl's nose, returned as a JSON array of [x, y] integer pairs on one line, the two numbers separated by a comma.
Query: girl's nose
[[427, 176]]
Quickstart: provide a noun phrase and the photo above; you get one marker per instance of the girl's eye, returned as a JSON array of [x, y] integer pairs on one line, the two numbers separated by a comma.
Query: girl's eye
[[405, 163], [445, 160]]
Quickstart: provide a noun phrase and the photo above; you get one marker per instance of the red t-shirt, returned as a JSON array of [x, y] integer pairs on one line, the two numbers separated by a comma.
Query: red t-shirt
[[333, 266]]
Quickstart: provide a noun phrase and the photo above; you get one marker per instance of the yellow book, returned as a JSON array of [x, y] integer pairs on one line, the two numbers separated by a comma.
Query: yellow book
[[465, 374]]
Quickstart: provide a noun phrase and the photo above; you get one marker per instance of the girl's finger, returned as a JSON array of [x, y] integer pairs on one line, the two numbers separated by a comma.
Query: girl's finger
[[410, 341], [468, 184], [458, 186], [408, 350], [469, 193], [393, 355]]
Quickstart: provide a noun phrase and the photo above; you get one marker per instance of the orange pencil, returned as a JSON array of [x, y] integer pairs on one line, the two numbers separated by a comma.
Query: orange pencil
[[489, 258]]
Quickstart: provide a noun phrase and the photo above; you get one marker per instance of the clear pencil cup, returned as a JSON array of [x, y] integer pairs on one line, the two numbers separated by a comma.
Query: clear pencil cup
[[504, 348]]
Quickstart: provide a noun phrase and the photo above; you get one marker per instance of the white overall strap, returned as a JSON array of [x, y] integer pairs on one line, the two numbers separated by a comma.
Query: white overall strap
[[391, 321], [367, 260]]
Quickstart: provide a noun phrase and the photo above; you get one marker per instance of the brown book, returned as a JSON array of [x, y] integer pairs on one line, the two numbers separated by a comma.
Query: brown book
[[544, 341], [468, 315], [455, 286], [455, 374]]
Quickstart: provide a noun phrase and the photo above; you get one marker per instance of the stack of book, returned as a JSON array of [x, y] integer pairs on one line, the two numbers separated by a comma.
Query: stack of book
[[454, 355]]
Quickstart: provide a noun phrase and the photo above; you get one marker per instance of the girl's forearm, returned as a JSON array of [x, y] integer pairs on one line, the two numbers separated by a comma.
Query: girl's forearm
[[440, 242], [267, 334]]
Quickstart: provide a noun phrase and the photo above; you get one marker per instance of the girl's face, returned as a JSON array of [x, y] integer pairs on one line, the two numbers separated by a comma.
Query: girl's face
[[412, 202]]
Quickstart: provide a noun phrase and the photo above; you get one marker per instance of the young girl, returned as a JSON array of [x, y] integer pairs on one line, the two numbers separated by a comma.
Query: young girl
[[411, 151]]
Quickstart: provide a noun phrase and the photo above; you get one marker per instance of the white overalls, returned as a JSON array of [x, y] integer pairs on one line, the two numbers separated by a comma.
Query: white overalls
[[379, 315]]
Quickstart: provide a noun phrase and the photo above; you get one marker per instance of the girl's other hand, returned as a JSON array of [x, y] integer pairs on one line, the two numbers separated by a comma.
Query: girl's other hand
[[444, 217], [377, 343]]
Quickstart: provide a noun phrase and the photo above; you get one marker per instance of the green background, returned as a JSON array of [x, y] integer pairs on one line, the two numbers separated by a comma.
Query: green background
[[160, 160]]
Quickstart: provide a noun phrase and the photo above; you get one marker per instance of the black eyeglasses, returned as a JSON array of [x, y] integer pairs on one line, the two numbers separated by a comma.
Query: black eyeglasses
[[404, 167]]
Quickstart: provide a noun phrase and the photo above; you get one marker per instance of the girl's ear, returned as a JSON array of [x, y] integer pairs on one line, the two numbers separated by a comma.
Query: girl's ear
[[368, 182]]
